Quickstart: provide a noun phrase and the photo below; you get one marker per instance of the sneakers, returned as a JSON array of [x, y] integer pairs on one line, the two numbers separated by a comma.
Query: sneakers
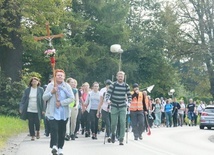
[[76, 135], [109, 139], [121, 143], [82, 131], [112, 138], [72, 137], [54, 150], [67, 137], [32, 138], [87, 134], [60, 151], [103, 129], [94, 136], [135, 138], [37, 135], [141, 137]]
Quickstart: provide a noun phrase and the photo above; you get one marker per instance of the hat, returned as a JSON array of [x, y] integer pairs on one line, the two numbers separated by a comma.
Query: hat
[[108, 82], [135, 85]]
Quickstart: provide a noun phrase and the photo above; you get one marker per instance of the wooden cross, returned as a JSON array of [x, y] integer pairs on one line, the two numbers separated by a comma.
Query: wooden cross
[[48, 37]]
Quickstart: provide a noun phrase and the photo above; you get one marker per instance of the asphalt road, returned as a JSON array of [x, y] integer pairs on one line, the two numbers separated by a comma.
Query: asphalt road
[[163, 141]]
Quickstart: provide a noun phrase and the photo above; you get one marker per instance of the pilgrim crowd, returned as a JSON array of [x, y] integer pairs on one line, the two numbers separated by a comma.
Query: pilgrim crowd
[[117, 108]]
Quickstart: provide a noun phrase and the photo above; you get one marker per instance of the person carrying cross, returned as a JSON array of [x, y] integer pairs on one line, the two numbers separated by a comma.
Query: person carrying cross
[[58, 97]]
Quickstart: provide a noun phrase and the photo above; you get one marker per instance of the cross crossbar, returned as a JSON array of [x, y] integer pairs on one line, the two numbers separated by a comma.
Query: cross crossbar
[[48, 37]]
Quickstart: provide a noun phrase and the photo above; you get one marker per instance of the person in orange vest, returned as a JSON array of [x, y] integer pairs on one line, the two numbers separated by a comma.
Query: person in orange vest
[[138, 109]]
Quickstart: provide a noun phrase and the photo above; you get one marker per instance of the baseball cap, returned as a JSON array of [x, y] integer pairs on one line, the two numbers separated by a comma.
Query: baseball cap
[[108, 82]]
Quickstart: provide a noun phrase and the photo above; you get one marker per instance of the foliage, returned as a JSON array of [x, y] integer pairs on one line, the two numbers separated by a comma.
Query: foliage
[[10, 96], [191, 42], [164, 44], [26, 76]]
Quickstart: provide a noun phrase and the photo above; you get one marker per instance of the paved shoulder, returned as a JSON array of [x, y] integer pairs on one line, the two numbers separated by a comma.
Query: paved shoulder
[[13, 144]]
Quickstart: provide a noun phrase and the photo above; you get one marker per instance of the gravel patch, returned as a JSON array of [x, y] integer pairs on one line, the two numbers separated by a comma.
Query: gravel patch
[[13, 144]]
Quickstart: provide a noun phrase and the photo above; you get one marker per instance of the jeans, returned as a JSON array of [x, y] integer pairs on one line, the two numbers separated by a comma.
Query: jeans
[[33, 122], [168, 119], [58, 129], [181, 119]]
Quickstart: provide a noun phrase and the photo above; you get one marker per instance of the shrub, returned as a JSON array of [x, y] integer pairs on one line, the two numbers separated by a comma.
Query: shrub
[[10, 96], [11, 93]]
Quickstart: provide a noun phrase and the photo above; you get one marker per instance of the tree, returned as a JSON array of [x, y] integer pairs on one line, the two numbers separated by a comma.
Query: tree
[[107, 26], [192, 44], [10, 39], [145, 60]]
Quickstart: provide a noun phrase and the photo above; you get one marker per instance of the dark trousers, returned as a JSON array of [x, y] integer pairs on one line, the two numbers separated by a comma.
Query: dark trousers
[[58, 129], [175, 119], [33, 122], [93, 121], [138, 124], [106, 119], [195, 119], [47, 126], [85, 121]]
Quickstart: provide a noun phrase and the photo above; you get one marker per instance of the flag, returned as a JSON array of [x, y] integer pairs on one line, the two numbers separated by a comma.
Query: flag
[[149, 89]]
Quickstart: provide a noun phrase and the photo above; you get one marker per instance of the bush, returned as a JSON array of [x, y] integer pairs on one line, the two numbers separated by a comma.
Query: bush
[[10, 96], [11, 92]]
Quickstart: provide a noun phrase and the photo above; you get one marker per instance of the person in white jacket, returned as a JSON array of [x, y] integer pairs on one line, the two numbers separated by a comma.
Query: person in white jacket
[[58, 96], [201, 108]]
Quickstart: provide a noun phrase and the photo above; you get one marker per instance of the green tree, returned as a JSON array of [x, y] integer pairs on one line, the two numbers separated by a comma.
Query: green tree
[[107, 26], [189, 42], [10, 38], [145, 60]]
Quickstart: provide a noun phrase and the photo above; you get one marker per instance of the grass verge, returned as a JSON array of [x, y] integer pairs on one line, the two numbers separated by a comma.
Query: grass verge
[[10, 126]]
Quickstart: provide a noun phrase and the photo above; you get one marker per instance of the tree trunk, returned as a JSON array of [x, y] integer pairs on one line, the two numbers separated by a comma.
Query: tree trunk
[[11, 57], [211, 76]]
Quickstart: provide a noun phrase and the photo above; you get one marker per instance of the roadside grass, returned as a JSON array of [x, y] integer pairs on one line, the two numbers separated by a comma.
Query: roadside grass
[[10, 126]]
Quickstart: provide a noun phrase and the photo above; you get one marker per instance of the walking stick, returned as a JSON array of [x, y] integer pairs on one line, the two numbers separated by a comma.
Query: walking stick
[[104, 138], [127, 132]]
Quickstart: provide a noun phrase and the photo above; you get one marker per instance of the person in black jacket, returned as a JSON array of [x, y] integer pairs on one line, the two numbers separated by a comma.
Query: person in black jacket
[[176, 106], [31, 107]]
